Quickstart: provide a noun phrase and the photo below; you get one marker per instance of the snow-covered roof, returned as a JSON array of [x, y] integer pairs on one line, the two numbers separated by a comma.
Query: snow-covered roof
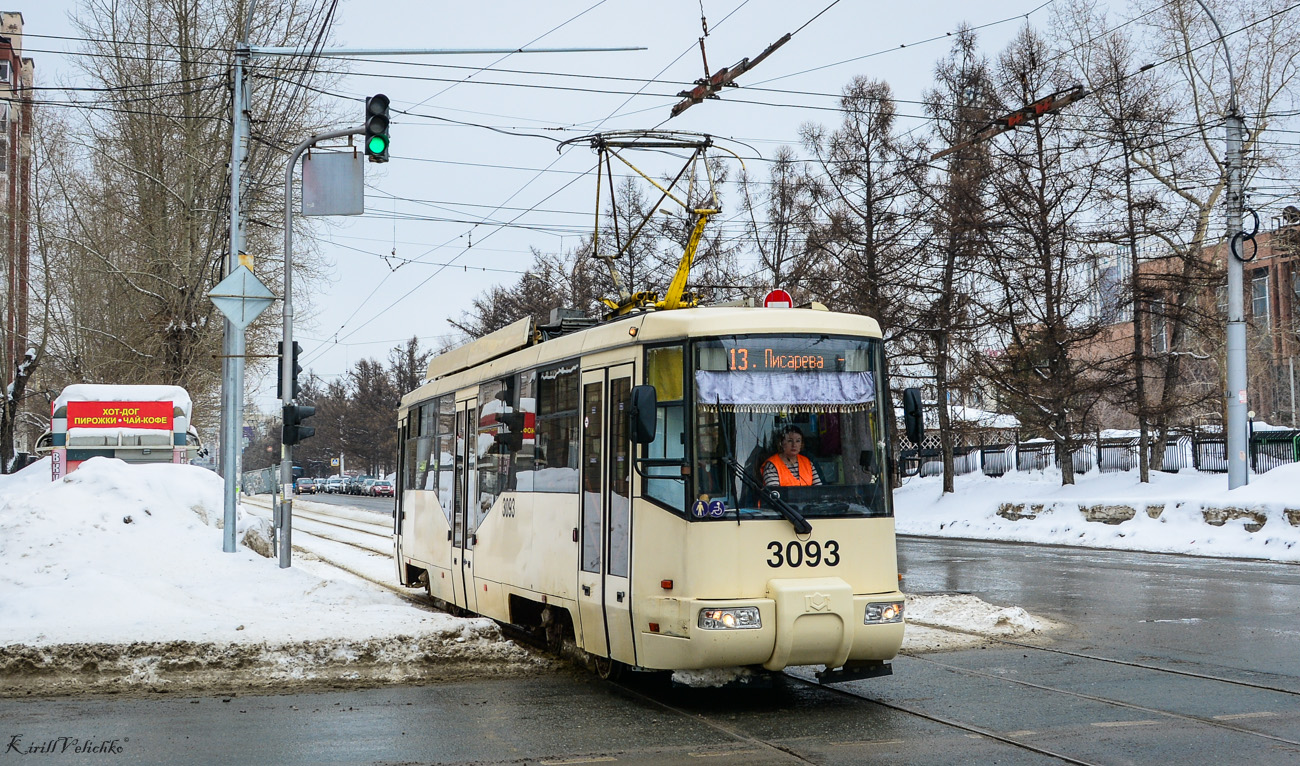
[[983, 418], [102, 392]]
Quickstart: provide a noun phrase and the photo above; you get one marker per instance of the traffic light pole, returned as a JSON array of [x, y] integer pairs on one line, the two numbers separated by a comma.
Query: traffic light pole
[[287, 397], [233, 344]]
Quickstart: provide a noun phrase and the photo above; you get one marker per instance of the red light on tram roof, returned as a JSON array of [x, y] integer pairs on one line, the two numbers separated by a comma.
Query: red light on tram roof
[[666, 584]]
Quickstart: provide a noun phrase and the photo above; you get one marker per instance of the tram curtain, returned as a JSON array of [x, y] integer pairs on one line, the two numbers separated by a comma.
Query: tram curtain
[[785, 392]]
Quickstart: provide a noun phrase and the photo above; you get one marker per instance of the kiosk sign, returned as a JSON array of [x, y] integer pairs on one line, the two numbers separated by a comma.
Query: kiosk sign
[[157, 415]]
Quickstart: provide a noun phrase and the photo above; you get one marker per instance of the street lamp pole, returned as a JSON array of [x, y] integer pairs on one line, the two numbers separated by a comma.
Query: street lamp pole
[[1235, 395]]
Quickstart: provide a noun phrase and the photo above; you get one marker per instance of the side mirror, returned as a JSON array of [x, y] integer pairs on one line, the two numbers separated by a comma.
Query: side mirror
[[641, 414], [913, 423]]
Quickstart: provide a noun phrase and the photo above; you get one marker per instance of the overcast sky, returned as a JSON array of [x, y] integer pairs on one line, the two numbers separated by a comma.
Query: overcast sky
[[435, 210]]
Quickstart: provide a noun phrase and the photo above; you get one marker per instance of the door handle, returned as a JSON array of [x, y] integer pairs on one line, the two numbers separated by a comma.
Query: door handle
[[586, 590], [619, 596]]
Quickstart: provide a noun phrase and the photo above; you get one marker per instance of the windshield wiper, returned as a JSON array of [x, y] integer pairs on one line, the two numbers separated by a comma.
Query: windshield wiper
[[801, 525]]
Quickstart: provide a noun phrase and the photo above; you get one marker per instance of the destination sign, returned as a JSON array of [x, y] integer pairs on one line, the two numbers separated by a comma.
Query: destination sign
[[767, 359]]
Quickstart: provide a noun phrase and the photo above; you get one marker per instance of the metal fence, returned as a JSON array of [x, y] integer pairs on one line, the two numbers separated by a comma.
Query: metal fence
[[262, 482], [1200, 449]]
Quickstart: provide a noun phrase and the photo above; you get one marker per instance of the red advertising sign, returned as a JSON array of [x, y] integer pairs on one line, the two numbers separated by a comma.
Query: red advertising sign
[[120, 415]]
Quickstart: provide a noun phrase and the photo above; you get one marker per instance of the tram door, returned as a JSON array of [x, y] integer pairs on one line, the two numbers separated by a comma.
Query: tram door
[[604, 596], [464, 503]]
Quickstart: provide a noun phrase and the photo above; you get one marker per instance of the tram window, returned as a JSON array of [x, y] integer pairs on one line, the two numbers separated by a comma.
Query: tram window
[[555, 456], [592, 418], [822, 394], [421, 462], [444, 413], [620, 465], [665, 370], [496, 405]]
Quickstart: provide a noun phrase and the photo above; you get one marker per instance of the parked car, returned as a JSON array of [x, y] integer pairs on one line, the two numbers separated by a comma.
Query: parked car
[[358, 484], [367, 484], [382, 488], [334, 485], [305, 486]]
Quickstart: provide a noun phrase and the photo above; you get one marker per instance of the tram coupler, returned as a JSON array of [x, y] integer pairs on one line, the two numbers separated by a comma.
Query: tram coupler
[[855, 671]]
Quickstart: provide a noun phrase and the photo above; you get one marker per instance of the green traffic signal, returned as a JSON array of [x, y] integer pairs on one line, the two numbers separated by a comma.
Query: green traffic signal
[[377, 128]]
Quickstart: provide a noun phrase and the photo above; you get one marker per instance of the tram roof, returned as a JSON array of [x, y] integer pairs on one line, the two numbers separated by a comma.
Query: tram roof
[[514, 348]]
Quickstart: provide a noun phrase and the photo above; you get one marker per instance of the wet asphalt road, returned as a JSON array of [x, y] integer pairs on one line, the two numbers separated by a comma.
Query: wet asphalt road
[[1232, 622], [383, 505]]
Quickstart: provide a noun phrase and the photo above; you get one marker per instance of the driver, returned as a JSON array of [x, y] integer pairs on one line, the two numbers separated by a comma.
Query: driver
[[788, 468]]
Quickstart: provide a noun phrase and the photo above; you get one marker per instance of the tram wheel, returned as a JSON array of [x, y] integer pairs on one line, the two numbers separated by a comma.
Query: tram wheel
[[554, 631], [608, 669]]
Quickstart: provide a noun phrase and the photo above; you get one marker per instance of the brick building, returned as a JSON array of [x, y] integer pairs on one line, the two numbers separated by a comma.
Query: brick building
[[1271, 281], [17, 75]]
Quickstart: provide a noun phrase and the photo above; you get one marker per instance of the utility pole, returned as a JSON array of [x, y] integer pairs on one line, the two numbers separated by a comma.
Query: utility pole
[[1238, 441]]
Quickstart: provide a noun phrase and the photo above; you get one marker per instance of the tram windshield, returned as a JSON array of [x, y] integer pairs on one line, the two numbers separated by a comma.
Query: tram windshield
[[802, 415]]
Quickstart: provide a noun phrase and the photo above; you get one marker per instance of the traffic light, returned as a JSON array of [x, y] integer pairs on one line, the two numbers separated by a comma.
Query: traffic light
[[512, 434], [377, 128], [279, 370], [293, 431]]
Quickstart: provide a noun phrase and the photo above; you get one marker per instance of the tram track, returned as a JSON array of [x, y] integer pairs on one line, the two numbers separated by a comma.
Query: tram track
[[1109, 660], [747, 736], [1106, 700]]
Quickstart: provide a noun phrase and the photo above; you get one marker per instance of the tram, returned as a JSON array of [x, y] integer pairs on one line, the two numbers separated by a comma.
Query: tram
[[608, 483]]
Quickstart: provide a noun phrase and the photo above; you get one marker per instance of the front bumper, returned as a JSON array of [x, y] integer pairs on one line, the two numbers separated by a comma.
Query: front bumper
[[816, 621]]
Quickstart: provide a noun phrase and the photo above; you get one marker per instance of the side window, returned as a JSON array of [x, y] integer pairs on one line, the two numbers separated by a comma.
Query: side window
[[496, 411], [665, 370], [418, 462], [410, 448], [556, 434], [444, 414]]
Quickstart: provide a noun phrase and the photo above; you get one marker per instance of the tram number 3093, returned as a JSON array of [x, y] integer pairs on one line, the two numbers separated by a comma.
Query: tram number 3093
[[811, 553]]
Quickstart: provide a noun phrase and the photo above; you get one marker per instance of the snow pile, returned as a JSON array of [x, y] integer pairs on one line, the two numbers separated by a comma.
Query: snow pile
[[970, 613], [1188, 512], [114, 555], [709, 678], [937, 623]]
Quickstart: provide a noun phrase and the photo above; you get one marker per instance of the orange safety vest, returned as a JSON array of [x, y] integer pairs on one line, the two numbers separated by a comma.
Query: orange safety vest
[[805, 477]]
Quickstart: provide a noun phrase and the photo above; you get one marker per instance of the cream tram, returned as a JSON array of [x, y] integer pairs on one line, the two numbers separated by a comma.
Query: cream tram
[[611, 486]]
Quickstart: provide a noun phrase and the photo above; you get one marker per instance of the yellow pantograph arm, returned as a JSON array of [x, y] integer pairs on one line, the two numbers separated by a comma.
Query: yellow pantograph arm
[[673, 298]]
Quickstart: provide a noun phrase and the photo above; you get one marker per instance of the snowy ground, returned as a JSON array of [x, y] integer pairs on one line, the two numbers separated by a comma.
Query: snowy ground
[[113, 579], [1188, 512]]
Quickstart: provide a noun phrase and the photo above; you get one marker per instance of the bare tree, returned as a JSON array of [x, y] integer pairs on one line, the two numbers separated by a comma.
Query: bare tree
[[1187, 164], [1045, 187], [143, 188], [866, 209], [959, 102]]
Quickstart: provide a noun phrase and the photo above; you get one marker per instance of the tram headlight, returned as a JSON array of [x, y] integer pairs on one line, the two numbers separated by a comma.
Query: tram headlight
[[883, 612], [730, 618]]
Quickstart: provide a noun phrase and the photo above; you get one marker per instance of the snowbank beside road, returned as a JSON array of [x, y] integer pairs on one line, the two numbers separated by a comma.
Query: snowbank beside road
[[116, 574], [1188, 512]]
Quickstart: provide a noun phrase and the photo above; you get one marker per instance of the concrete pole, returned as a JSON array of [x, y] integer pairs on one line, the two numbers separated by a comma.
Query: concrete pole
[[286, 367], [233, 347], [1237, 437], [1235, 397]]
